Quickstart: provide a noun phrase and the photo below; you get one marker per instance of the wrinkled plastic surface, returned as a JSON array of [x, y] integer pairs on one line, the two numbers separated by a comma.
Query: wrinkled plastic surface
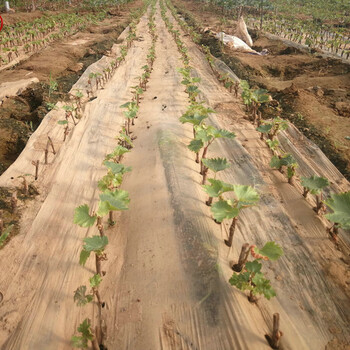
[[242, 32], [234, 42]]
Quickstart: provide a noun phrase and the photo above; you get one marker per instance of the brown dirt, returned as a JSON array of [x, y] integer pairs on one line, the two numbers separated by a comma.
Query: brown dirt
[[312, 90], [64, 61], [13, 18]]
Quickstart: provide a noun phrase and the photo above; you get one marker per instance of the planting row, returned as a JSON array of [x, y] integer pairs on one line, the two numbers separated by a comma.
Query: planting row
[[275, 19], [248, 275], [254, 98], [29, 37], [112, 198], [307, 33], [73, 114]]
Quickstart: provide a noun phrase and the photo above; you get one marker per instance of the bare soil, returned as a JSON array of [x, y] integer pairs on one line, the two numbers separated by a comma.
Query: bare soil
[[312, 90]]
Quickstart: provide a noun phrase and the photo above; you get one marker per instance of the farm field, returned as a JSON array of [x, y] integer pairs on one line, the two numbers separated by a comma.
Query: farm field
[[108, 238]]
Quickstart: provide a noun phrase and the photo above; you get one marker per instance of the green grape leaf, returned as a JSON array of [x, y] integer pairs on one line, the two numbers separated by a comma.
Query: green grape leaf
[[62, 122], [223, 210], [95, 280], [217, 188], [84, 255], [118, 151], [289, 160], [246, 195], [128, 105], [194, 119], [221, 133], [103, 208], [253, 266], [216, 164], [271, 250], [273, 144], [275, 162], [263, 286], [192, 88], [81, 298], [130, 114], [244, 85], [280, 124], [260, 96], [204, 132], [123, 137], [241, 281], [116, 168], [110, 180], [340, 204], [82, 216], [95, 243], [85, 329], [117, 199], [5, 235], [290, 171], [79, 342], [264, 128], [314, 184], [195, 145]]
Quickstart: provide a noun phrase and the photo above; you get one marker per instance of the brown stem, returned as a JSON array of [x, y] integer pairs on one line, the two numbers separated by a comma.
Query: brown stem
[[333, 231], [243, 257], [98, 264], [276, 334], [100, 226], [14, 202], [94, 340], [209, 201], [205, 150], [46, 152], [98, 296], [252, 298], [51, 144], [319, 203], [111, 221], [128, 126], [231, 232], [197, 157], [99, 330], [73, 119], [103, 331], [274, 340], [205, 174], [25, 186], [36, 164], [65, 133], [291, 180], [305, 193]]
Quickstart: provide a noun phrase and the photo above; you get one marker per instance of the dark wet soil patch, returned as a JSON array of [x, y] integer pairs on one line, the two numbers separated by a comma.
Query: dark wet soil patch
[[10, 217]]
